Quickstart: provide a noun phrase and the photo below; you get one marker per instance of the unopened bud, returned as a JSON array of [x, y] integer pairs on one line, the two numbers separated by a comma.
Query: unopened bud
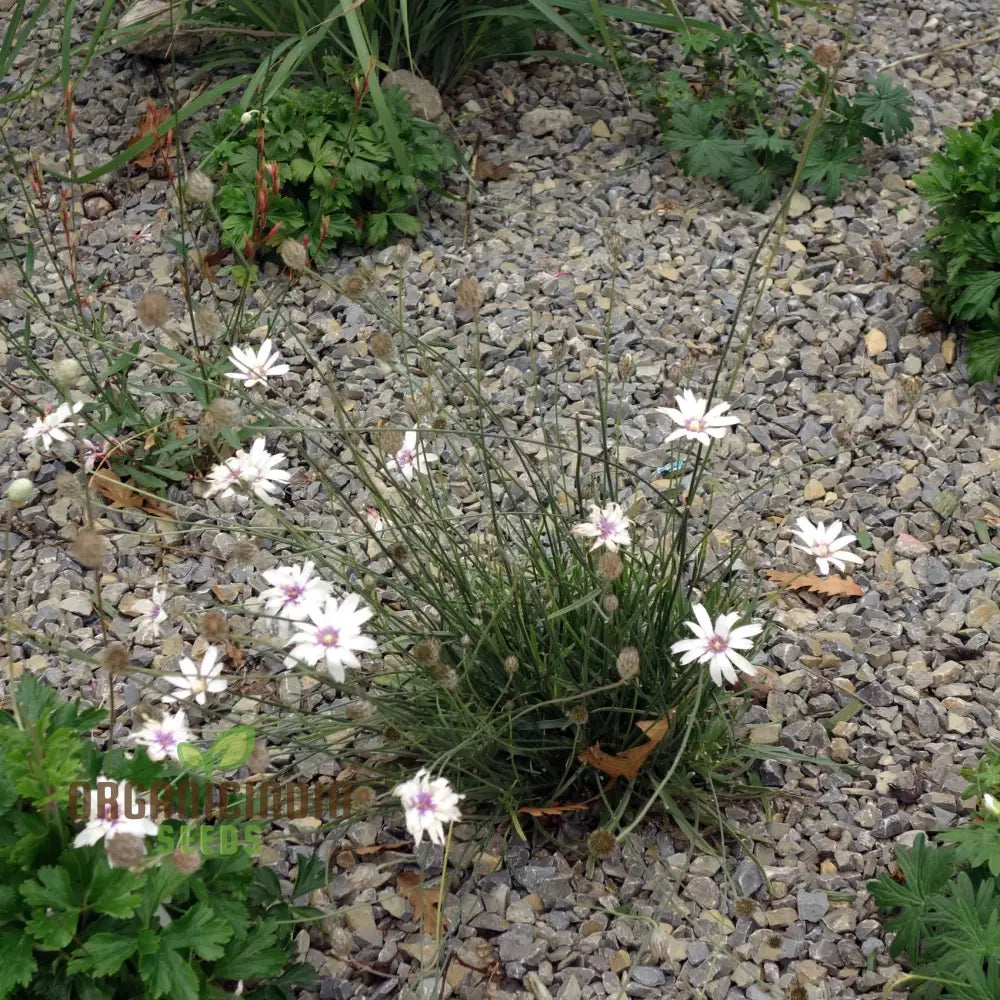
[[294, 255], [153, 309], [186, 862], [125, 850], [200, 187], [510, 666], [18, 492], [626, 367], [66, 372], [89, 549], [627, 663]]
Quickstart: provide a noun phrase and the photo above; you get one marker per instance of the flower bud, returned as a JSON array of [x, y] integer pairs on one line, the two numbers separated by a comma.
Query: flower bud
[[510, 666], [66, 372], [294, 255], [89, 549], [200, 187], [578, 715], [601, 843], [153, 309], [125, 850], [627, 663], [186, 862], [18, 492], [626, 367]]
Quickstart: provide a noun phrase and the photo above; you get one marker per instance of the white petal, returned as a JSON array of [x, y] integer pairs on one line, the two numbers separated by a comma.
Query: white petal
[[703, 619]]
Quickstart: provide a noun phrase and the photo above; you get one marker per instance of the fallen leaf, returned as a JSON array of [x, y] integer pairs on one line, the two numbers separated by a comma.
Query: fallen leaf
[[424, 901], [149, 124], [367, 851], [627, 764], [828, 586], [556, 809], [486, 170], [123, 494]]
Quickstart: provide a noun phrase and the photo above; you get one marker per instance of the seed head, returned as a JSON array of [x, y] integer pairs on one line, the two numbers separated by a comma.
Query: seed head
[[355, 285], [381, 346], [116, 658], [200, 187], [392, 734], [467, 295], [826, 55], [445, 676], [610, 604], [90, 548], [399, 553], [428, 652], [658, 944], [609, 566], [186, 862], [10, 282], [388, 439], [66, 372], [153, 309], [207, 322], [439, 423], [510, 666], [214, 627], [627, 663], [294, 255], [221, 413], [601, 843], [363, 797], [125, 850], [578, 715], [558, 351], [626, 367], [18, 492], [401, 253], [774, 941]]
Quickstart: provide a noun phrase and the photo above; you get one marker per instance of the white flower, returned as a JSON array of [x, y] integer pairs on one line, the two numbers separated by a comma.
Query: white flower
[[429, 803], [248, 116], [254, 471], [111, 820], [197, 680], [162, 738], [332, 635], [607, 526], [693, 420], [256, 367], [825, 544], [53, 425], [92, 454], [411, 456], [990, 804], [375, 520], [151, 612], [716, 645], [294, 592]]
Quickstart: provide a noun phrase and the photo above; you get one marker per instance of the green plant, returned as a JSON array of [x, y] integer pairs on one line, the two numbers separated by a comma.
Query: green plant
[[73, 925], [316, 166], [741, 110], [962, 184], [944, 904]]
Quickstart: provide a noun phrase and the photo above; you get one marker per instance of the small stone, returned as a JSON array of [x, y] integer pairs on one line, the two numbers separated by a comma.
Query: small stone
[[766, 734], [812, 906], [599, 130], [747, 877], [981, 614], [875, 341], [423, 96], [948, 351], [945, 503], [542, 121], [814, 490], [809, 973], [798, 205], [620, 961]]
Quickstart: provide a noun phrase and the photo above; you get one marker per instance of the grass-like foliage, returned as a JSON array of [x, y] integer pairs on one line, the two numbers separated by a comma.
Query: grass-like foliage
[[742, 106], [104, 920], [962, 184], [943, 905], [337, 176]]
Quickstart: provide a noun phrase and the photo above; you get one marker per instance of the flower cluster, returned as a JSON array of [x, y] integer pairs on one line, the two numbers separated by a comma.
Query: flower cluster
[[54, 425], [255, 471]]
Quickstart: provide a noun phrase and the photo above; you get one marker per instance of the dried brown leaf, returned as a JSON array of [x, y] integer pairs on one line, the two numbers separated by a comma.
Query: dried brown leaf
[[557, 809], [122, 494], [370, 849], [627, 764], [487, 170], [828, 586], [424, 901]]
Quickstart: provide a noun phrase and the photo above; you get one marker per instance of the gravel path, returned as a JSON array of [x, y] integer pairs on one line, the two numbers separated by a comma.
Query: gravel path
[[850, 411]]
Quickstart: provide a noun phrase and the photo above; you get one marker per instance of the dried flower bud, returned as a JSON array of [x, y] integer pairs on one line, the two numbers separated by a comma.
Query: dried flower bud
[[355, 284], [465, 642], [398, 552], [658, 944], [510, 666], [609, 566], [428, 652], [467, 295], [445, 676], [627, 663], [66, 372], [153, 309], [401, 253], [363, 797], [360, 711], [186, 862], [439, 423], [392, 734], [294, 255], [18, 492], [381, 347], [90, 548], [200, 187], [125, 850], [388, 439], [601, 843], [10, 282], [214, 627], [221, 413], [626, 367], [207, 322], [826, 55], [116, 658], [610, 604], [578, 715]]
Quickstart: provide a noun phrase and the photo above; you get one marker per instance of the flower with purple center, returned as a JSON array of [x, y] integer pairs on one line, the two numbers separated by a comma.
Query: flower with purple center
[[293, 593], [151, 613], [428, 803], [54, 425], [696, 421], [717, 645], [330, 634], [411, 457], [608, 526], [197, 680], [161, 738], [108, 819], [826, 544]]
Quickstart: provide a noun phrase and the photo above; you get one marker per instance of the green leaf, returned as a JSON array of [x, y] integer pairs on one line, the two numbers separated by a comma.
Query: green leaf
[[18, 965], [312, 874], [255, 957], [167, 974], [980, 290], [199, 929], [190, 756], [887, 106], [114, 892], [405, 223], [983, 354], [232, 749], [51, 888], [105, 954], [703, 139]]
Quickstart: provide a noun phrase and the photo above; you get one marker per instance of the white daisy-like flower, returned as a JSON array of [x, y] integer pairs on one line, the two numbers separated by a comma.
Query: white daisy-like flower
[[717, 645], [151, 612], [429, 803], [412, 457], [695, 421], [256, 367], [109, 820], [54, 425], [826, 544], [332, 635], [608, 526], [294, 592], [161, 738], [255, 471], [197, 680]]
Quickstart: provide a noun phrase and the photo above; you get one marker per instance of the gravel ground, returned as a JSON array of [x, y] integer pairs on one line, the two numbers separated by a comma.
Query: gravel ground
[[849, 409]]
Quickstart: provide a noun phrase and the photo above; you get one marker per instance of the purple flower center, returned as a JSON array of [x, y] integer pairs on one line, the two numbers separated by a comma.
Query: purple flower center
[[293, 592], [821, 549], [165, 739], [423, 802], [606, 527], [695, 424], [328, 636], [717, 644], [405, 457]]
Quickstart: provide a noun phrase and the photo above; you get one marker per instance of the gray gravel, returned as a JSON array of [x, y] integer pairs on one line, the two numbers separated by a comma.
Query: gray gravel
[[840, 356]]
